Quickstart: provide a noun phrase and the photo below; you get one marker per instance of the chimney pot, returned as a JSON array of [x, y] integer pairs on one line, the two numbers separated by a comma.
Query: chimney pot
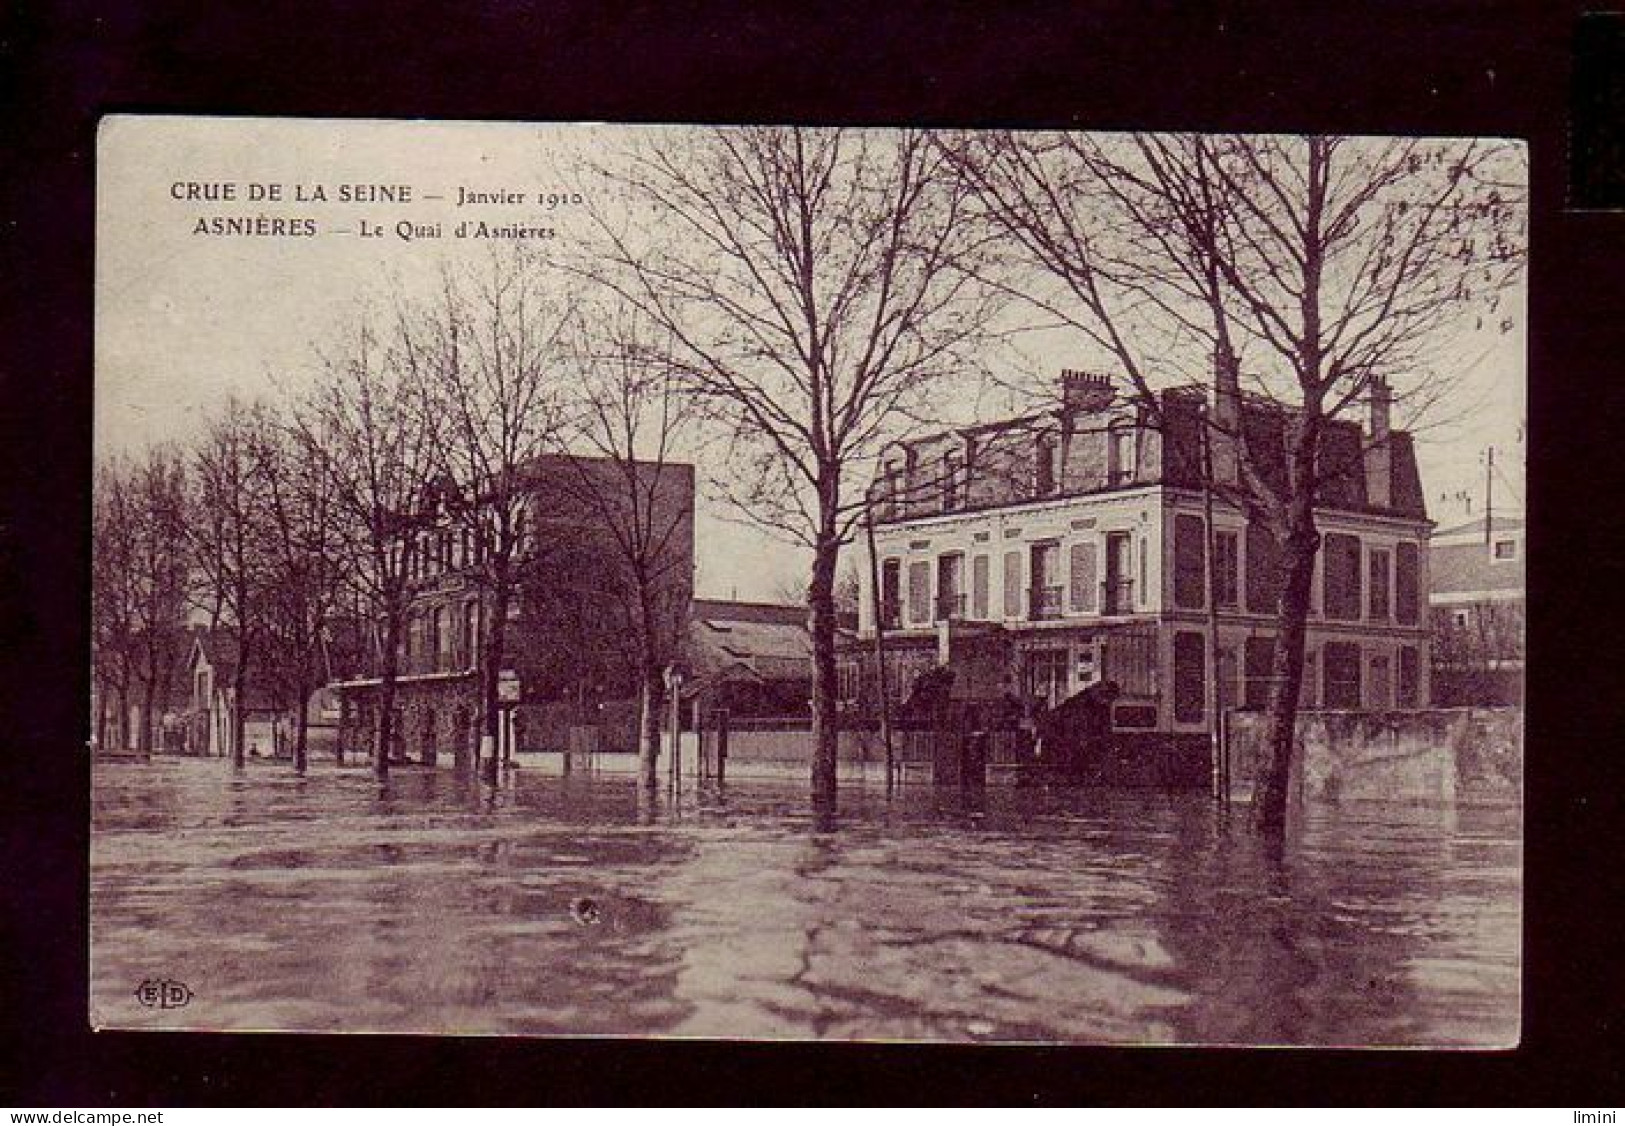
[[1086, 391]]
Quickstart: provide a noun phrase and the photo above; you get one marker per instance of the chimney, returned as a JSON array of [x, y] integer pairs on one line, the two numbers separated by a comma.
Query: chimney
[[1226, 414], [1085, 391], [1379, 457]]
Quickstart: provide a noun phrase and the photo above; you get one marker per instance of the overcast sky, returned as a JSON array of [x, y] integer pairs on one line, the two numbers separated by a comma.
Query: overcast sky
[[186, 318]]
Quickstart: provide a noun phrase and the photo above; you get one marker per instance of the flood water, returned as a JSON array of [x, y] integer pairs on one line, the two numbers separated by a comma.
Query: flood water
[[554, 905]]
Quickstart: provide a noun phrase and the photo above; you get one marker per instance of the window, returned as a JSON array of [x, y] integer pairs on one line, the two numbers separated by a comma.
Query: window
[[1046, 675], [1046, 572], [1342, 675], [1306, 686], [950, 482], [1341, 574], [1118, 588], [847, 681], [1407, 583], [1377, 563], [1460, 618], [1506, 549], [1012, 584], [1258, 672], [1190, 561], [891, 596], [1226, 570], [1190, 677], [979, 587]]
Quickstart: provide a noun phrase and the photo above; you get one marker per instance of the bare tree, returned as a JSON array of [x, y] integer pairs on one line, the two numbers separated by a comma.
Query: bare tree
[[115, 596], [304, 567], [367, 423], [630, 413], [228, 535], [813, 285], [486, 357], [1320, 267], [159, 564]]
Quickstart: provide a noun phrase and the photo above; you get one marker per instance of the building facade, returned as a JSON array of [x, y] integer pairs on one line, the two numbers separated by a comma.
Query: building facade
[[1477, 605], [1038, 555], [568, 659]]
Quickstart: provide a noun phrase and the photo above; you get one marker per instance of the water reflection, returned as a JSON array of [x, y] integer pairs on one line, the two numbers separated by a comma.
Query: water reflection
[[577, 904]]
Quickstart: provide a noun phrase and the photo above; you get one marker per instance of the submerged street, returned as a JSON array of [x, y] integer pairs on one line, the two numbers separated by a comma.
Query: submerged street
[[554, 905]]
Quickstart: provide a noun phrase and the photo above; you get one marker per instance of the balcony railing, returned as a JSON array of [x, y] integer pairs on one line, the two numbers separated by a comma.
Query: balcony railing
[[1117, 596], [950, 607], [1044, 602]]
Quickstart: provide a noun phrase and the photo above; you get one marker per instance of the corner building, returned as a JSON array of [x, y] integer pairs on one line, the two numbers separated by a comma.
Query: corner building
[[1038, 555]]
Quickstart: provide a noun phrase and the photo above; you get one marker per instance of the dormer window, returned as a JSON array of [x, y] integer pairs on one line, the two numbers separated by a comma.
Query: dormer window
[[951, 496], [893, 489], [1119, 454]]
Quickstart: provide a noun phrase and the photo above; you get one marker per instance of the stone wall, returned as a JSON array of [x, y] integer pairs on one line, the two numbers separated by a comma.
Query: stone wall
[[1440, 755]]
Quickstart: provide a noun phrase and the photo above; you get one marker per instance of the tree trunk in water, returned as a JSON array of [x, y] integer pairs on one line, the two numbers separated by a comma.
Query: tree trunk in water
[[491, 706], [239, 685], [821, 607], [1298, 570], [301, 727], [386, 697], [649, 702], [144, 737]]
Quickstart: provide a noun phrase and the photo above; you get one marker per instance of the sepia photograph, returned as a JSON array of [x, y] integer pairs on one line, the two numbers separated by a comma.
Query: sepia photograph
[[807, 583]]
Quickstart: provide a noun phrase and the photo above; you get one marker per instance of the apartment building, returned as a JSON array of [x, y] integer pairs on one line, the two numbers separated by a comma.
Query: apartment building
[[1040, 554]]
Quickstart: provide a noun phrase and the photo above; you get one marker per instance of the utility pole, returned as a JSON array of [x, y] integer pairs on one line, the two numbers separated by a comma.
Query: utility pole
[[1489, 492], [880, 638]]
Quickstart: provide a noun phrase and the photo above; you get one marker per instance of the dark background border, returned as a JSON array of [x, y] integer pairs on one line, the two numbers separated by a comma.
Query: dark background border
[[1433, 66]]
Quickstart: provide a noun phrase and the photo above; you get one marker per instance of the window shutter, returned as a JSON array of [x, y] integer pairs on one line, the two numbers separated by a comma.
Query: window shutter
[[1263, 557], [919, 593], [1190, 677], [1341, 574], [1083, 576], [1190, 560], [1407, 582], [979, 585], [1012, 584]]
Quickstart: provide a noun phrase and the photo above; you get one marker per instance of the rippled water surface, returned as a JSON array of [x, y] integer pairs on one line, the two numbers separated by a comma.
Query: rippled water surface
[[556, 905]]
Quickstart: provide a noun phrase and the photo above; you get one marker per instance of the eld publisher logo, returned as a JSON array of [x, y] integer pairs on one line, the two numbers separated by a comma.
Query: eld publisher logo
[[162, 993]]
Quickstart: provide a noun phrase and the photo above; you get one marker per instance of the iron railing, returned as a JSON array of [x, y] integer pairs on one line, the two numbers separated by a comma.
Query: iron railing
[[1044, 602], [1117, 596]]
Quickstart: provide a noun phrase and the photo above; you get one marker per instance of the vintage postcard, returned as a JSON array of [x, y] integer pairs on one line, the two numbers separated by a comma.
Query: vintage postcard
[[802, 583]]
